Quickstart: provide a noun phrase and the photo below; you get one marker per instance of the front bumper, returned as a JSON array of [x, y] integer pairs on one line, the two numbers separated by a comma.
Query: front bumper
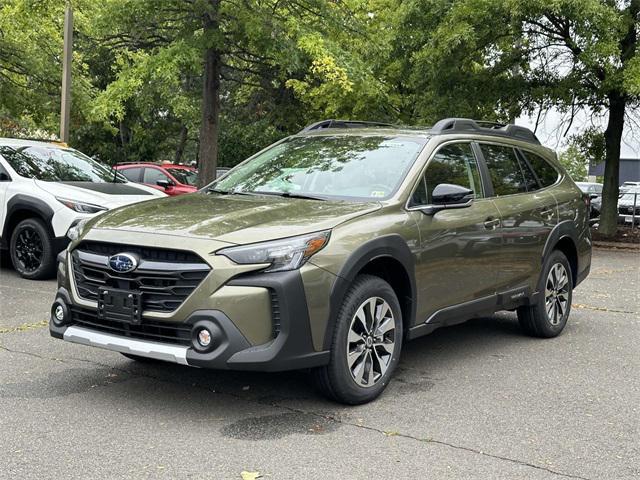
[[290, 349]]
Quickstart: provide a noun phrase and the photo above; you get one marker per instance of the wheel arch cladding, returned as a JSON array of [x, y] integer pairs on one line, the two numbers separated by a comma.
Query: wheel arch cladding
[[387, 257], [564, 238], [20, 207]]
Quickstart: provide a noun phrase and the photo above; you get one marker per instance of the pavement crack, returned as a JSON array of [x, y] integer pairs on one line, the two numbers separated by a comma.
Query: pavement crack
[[602, 309], [429, 440], [25, 326], [329, 417]]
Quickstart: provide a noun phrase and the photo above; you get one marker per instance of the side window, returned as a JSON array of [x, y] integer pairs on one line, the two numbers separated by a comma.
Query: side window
[[454, 163], [530, 180], [152, 175], [546, 173], [4, 176], [132, 174], [504, 168]]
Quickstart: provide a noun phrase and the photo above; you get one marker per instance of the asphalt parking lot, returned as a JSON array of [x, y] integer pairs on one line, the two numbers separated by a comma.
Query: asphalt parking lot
[[478, 400]]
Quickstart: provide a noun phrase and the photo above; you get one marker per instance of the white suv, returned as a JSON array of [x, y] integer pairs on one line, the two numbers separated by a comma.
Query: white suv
[[45, 189]]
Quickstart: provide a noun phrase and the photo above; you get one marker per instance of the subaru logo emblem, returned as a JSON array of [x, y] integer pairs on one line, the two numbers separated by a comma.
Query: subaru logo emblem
[[123, 262]]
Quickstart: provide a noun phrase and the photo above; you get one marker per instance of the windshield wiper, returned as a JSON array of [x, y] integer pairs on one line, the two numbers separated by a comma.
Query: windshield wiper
[[292, 195], [227, 192]]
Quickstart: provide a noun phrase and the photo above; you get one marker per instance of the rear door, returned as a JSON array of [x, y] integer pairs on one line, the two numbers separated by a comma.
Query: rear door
[[528, 213], [458, 247]]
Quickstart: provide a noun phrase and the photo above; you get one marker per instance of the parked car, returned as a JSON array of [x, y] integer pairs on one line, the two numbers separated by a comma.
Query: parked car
[[329, 249], [627, 203], [594, 190], [44, 190], [171, 178]]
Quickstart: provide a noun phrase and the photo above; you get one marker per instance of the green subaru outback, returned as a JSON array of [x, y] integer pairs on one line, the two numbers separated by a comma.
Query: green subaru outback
[[331, 248]]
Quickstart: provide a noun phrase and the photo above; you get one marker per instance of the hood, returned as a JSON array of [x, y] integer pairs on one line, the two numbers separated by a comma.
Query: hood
[[232, 218], [109, 195]]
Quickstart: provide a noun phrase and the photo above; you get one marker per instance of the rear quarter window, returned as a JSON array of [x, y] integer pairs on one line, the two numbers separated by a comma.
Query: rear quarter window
[[547, 174]]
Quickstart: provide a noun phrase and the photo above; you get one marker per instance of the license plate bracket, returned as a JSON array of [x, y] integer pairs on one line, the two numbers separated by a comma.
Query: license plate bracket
[[120, 305]]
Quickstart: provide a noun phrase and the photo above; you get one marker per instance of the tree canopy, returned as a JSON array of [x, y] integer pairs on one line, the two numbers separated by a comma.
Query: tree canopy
[[214, 81]]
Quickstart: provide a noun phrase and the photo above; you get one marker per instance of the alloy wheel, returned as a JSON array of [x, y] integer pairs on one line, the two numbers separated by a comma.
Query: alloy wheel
[[29, 249], [371, 341], [556, 294]]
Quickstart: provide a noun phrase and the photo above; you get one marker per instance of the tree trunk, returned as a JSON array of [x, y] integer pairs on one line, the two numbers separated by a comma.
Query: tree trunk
[[612, 139], [182, 142], [208, 150]]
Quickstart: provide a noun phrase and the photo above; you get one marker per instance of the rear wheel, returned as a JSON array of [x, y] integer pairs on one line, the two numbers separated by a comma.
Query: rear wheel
[[548, 316], [366, 343], [31, 250]]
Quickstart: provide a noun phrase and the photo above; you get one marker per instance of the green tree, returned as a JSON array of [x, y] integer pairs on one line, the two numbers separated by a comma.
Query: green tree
[[574, 161], [516, 56]]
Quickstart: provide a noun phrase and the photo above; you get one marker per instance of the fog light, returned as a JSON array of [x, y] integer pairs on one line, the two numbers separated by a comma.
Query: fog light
[[204, 337], [58, 313]]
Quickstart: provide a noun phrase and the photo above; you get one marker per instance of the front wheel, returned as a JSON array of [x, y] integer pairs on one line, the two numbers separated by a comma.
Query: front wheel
[[32, 251], [366, 343], [548, 316]]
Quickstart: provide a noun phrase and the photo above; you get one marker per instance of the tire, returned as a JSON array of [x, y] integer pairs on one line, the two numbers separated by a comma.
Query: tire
[[375, 351], [31, 250], [138, 358], [538, 320]]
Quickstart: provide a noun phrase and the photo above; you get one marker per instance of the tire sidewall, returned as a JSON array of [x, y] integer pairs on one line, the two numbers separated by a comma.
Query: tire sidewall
[[48, 254], [342, 380], [553, 259]]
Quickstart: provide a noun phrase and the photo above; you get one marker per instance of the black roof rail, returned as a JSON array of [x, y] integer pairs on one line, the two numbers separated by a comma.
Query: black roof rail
[[466, 125], [332, 123]]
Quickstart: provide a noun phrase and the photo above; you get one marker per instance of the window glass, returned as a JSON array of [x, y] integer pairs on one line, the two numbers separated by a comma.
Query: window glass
[[529, 178], [184, 176], [152, 175], [546, 173], [367, 167], [5, 177], [454, 164], [57, 164], [132, 174], [420, 195], [505, 171]]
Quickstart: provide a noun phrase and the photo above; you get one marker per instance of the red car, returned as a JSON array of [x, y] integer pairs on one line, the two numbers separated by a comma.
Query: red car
[[170, 178]]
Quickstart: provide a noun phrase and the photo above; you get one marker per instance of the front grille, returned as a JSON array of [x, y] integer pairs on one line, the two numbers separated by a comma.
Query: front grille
[[164, 332], [164, 277], [628, 210]]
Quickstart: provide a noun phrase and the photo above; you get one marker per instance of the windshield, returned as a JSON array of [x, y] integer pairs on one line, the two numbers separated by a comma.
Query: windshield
[[184, 176], [629, 197], [54, 164], [340, 167]]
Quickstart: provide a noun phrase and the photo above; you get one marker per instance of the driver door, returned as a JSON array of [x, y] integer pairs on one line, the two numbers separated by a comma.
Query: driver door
[[460, 247]]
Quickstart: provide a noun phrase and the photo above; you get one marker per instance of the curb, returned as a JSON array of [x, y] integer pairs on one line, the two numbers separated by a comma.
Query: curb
[[634, 247]]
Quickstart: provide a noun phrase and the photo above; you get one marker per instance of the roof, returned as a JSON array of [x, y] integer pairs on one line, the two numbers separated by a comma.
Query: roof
[[445, 126], [19, 142]]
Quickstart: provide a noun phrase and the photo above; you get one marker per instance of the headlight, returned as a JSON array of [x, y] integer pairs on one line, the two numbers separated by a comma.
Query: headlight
[[80, 207], [287, 254], [75, 231]]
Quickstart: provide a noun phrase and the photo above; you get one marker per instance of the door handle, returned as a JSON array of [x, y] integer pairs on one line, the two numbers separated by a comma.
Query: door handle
[[491, 223], [547, 213]]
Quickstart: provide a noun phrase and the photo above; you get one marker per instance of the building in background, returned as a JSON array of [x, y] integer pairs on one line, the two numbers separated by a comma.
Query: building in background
[[629, 170]]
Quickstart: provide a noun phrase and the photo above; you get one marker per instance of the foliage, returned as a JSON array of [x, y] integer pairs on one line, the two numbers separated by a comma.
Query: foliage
[[138, 69], [575, 163]]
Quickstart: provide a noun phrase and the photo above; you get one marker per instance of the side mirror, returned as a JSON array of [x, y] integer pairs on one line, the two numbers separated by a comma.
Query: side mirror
[[448, 196], [164, 183]]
